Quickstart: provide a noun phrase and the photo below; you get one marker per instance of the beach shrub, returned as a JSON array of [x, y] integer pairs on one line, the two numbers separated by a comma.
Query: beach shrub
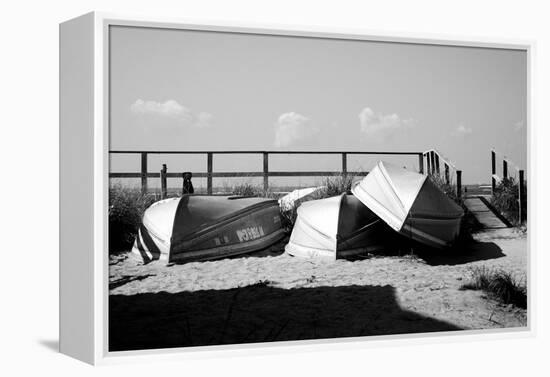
[[498, 284], [505, 199], [335, 185], [248, 189], [126, 207]]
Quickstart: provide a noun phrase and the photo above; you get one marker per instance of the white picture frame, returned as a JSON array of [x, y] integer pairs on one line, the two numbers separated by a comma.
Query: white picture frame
[[84, 162]]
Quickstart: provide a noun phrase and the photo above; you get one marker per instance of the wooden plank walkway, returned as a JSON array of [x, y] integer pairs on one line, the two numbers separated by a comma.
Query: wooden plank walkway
[[484, 214]]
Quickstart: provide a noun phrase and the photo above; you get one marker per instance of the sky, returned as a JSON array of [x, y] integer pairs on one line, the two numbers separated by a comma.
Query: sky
[[199, 90]]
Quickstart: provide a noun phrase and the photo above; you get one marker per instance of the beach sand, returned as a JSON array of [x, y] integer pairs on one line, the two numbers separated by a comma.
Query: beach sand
[[273, 296]]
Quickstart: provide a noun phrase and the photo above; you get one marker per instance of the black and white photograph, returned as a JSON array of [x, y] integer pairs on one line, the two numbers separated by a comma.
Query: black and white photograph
[[275, 188], [272, 188]]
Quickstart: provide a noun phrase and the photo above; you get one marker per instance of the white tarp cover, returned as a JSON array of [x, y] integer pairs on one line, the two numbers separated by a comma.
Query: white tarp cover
[[390, 192], [289, 201], [410, 203]]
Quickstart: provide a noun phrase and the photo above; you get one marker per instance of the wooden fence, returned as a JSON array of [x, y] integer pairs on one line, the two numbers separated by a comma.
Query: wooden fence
[[496, 179], [209, 174], [438, 165]]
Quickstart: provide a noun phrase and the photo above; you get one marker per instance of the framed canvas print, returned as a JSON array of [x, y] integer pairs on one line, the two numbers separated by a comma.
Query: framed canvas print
[[244, 187]]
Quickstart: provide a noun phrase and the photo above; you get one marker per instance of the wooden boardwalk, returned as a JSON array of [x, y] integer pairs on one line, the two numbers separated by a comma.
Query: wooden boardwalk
[[486, 217]]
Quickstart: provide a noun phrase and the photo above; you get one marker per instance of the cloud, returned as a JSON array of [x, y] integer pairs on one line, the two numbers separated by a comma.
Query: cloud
[[382, 127], [171, 109], [204, 120], [462, 130], [293, 128]]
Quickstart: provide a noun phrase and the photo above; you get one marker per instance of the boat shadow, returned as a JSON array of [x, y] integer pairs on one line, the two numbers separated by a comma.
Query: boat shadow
[[471, 252], [259, 313]]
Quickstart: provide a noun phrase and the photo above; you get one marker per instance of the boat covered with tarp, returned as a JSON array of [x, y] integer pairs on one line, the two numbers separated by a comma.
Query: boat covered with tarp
[[411, 204], [336, 227], [201, 227]]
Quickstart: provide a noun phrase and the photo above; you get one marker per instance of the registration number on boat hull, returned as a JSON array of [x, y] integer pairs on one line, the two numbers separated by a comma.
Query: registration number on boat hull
[[250, 233]]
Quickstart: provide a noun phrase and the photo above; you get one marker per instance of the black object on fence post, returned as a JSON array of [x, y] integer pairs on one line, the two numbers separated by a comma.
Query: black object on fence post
[[143, 173], [266, 172], [504, 169], [459, 184], [163, 189], [436, 163], [187, 184], [447, 177], [209, 173], [344, 164], [522, 198], [421, 163], [493, 171]]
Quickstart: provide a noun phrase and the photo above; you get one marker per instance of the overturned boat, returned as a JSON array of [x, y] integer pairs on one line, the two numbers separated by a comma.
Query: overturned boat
[[200, 227], [336, 227], [411, 204], [294, 198]]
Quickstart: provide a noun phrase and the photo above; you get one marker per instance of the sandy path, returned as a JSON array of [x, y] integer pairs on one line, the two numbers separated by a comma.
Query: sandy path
[[424, 287]]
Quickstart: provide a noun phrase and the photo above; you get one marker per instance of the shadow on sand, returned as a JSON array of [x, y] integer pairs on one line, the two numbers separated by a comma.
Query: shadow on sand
[[472, 252], [259, 313]]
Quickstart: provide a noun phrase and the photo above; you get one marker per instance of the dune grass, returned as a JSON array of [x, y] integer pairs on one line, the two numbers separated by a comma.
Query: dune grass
[[505, 199], [126, 207], [249, 189], [336, 185], [499, 285]]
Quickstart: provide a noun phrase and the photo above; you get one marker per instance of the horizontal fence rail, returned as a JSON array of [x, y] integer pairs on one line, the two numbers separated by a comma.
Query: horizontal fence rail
[[209, 174]]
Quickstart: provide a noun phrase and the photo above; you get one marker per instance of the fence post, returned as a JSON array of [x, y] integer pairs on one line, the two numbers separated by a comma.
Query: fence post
[[436, 163], [209, 173], [459, 184], [447, 177], [432, 157], [493, 171], [522, 198], [344, 164], [421, 163], [163, 189], [143, 173], [266, 172], [504, 169], [428, 164]]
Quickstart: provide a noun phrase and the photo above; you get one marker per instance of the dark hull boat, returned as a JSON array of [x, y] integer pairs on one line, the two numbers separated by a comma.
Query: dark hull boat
[[336, 227], [198, 228]]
